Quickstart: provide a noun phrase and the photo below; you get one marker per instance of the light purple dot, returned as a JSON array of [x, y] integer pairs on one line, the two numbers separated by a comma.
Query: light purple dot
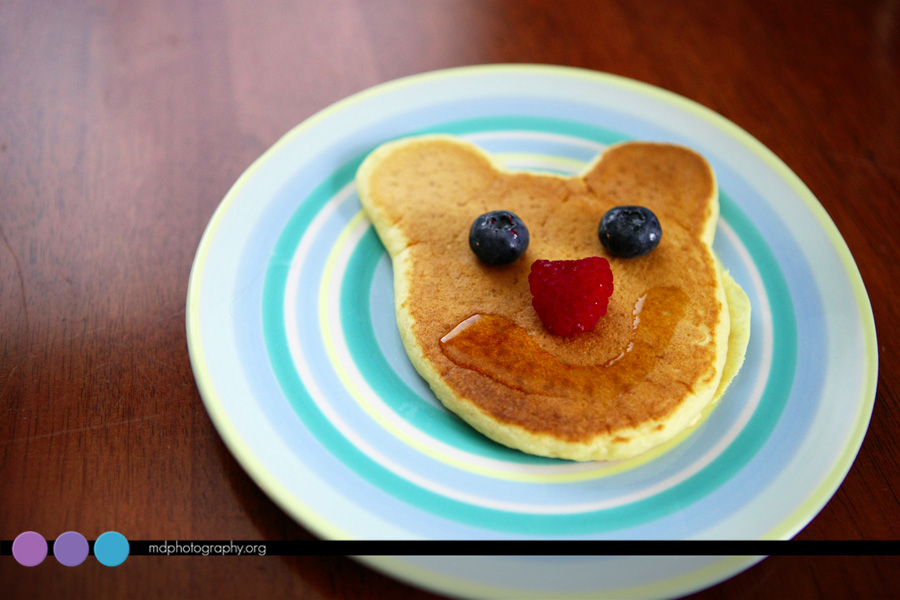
[[70, 548], [29, 549]]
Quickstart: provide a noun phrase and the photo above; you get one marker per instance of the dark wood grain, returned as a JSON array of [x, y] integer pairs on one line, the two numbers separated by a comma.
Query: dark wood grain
[[123, 124]]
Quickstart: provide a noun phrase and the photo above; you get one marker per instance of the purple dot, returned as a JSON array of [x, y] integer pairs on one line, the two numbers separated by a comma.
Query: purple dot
[[70, 548], [29, 549]]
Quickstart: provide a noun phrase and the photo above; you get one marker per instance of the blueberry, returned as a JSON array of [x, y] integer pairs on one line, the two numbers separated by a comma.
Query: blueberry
[[629, 231], [498, 237]]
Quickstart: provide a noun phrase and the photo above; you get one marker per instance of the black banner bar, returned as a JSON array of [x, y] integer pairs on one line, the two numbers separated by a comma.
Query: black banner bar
[[507, 548]]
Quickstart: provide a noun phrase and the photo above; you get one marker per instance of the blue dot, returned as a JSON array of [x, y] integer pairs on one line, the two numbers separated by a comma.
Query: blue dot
[[111, 549]]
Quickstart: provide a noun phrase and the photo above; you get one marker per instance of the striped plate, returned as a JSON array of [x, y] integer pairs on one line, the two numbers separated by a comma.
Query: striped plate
[[295, 349]]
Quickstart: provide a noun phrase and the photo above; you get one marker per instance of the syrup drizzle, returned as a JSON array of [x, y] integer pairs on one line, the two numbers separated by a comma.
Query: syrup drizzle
[[638, 306], [496, 347]]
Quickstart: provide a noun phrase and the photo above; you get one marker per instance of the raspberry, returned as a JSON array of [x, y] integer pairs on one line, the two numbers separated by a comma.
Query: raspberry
[[570, 296]]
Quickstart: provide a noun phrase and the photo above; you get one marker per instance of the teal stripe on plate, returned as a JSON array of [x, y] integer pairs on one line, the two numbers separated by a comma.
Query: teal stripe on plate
[[572, 129]]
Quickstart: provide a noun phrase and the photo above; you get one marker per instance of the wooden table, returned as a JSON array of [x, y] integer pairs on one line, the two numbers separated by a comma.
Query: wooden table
[[123, 124]]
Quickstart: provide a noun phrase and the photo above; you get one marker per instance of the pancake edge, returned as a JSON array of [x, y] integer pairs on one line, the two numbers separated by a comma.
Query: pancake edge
[[615, 445]]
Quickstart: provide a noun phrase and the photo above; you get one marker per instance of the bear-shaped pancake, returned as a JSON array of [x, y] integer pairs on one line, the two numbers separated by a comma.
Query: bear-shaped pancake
[[667, 347]]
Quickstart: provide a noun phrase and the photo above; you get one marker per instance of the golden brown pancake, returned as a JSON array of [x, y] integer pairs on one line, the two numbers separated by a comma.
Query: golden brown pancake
[[649, 366]]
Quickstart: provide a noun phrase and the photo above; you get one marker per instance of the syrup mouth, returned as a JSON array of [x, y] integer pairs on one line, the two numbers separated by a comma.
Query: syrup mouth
[[461, 327], [636, 313], [505, 352]]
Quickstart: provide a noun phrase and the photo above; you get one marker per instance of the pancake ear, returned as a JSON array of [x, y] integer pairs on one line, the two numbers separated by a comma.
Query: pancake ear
[[422, 180], [674, 182]]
